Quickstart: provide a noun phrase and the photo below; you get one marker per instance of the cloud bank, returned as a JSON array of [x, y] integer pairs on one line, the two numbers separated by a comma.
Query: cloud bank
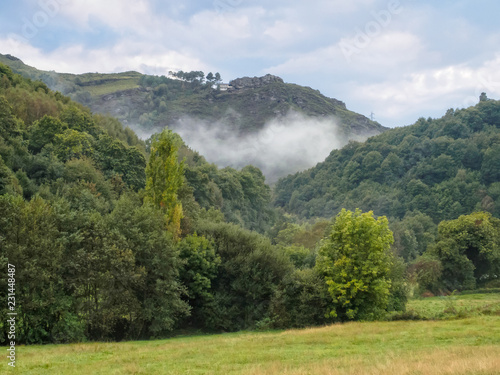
[[283, 146]]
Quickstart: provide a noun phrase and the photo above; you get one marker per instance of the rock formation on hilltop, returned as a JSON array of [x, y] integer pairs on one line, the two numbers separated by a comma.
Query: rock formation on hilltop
[[255, 82]]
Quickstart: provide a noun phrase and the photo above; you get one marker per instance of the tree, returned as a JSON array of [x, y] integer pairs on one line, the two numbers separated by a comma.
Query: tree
[[301, 300], [9, 126], [80, 120], [210, 79], [218, 78], [30, 240], [101, 274], [159, 292], [44, 131], [490, 168], [413, 234], [249, 273], [73, 144], [164, 178], [425, 271], [355, 262], [469, 249], [201, 264]]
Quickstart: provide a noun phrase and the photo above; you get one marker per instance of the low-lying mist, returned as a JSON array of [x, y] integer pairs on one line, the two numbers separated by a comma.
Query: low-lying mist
[[286, 145]]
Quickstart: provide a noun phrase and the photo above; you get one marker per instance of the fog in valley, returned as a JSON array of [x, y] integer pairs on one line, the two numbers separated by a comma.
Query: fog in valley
[[283, 146]]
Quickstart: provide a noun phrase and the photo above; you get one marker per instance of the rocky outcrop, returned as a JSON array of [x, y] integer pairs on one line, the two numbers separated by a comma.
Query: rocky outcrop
[[250, 83]]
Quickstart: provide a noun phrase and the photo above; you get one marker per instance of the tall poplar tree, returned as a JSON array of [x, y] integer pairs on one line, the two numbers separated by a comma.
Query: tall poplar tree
[[164, 178]]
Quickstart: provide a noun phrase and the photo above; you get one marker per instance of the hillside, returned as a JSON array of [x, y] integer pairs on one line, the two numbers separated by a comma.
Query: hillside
[[95, 253], [442, 168], [152, 102]]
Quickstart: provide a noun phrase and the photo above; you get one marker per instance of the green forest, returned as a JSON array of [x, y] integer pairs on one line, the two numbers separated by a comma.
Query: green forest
[[114, 238]]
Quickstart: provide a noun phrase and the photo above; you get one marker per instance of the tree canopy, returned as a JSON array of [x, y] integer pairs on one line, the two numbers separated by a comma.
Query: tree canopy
[[355, 261]]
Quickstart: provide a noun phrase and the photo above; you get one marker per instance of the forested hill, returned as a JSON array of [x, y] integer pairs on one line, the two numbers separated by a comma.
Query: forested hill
[[98, 256], [49, 143], [152, 102], [440, 167]]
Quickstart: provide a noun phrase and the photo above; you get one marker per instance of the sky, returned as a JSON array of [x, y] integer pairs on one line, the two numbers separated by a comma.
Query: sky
[[398, 60]]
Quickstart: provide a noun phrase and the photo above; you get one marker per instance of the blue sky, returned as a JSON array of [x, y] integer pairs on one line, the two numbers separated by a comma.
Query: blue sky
[[399, 59]]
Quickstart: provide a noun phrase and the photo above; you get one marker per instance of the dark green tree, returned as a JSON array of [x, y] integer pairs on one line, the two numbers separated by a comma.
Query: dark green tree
[[469, 250], [159, 292]]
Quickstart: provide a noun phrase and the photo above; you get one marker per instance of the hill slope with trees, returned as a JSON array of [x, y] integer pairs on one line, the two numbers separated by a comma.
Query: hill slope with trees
[[108, 237], [153, 102], [442, 168]]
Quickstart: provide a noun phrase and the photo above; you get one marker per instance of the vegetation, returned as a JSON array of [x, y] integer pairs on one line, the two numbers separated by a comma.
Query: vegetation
[[164, 178], [469, 250], [153, 102], [465, 346], [418, 176], [355, 261], [441, 168], [121, 239], [454, 306]]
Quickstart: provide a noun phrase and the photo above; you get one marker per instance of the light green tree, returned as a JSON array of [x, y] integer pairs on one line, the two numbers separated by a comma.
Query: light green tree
[[164, 178], [355, 262]]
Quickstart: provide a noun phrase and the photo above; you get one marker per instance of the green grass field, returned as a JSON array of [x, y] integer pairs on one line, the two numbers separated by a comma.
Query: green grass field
[[452, 306], [101, 84], [449, 346]]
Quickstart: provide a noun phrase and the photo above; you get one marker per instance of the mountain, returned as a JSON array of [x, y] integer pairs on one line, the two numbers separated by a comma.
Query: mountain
[[150, 102], [279, 127], [441, 168]]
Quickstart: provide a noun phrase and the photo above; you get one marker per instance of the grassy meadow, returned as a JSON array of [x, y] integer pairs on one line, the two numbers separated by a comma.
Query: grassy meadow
[[467, 345]]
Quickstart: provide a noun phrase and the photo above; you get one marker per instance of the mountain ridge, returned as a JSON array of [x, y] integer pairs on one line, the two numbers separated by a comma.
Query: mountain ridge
[[150, 102]]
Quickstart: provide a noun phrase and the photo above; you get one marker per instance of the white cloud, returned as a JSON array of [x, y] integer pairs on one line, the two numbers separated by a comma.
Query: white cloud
[[390, 49], [217, 27], [283, 32], [117, 14], [454, 86], [121, 57]]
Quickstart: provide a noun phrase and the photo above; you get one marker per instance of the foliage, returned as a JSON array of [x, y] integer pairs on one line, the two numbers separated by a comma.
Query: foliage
[[469, 250], [160, 291], [412, 235], [94, 262], [114, 246], [200, 268], [242, 196], [355, 263], [426, 272], [29, 240], [164, 178], [249, 273], [440, 168], [301, 300]]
